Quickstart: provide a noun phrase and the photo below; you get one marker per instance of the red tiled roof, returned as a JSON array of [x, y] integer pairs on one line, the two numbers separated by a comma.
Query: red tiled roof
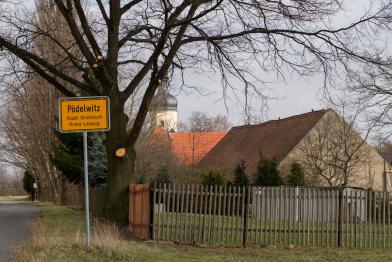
[[187, 147], [191, 147], [275, 138], [158, 138]]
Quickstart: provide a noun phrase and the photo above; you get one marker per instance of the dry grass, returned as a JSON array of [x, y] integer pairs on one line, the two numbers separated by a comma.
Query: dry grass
[[38, 233], [61, 231], [78, 239], [14, 198], [106, 235]]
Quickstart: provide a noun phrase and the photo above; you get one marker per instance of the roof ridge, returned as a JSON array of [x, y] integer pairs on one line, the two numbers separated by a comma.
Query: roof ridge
[[283, 119], [202, 132]]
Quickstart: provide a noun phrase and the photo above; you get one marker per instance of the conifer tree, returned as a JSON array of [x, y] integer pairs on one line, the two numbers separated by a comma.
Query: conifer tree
[[98, 163], [240, 177], [163, 176], [296, 177], [213, 178], [68, 157], [28, 183], [267, 172]]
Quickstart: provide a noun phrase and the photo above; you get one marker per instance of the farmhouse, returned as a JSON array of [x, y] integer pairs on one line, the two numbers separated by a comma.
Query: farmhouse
[[330, 151]]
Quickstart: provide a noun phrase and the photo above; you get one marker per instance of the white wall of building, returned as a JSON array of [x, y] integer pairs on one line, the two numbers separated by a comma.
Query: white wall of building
[[166, 119]]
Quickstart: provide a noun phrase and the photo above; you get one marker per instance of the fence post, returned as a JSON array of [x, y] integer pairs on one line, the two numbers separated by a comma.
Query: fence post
[[131, 209], [340, 216], [140, 210], [245, 194], [151, 189]]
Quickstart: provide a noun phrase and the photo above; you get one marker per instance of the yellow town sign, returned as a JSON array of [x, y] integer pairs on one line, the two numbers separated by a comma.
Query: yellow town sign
[[84, 114]]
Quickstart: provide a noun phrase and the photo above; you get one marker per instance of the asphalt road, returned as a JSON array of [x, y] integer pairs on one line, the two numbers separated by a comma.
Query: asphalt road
[[14, 225]]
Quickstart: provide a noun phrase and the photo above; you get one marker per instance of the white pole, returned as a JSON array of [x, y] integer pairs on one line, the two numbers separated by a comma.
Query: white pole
[[35, 186], [86, 193]]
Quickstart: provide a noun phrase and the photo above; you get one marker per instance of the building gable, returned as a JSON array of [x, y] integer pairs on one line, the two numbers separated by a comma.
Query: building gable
[[367, 165]]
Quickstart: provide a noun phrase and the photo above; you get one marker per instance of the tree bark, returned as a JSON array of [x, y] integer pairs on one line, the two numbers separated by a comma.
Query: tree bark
[[116, 199], [120, 170]]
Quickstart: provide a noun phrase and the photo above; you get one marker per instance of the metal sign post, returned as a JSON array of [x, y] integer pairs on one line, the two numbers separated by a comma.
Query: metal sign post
[[86, 193], [84, 114]]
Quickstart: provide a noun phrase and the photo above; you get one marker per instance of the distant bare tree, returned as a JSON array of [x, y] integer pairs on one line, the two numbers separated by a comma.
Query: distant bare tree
[[221, 123], [154, 152], [11, 183], [3, 181], [30, 116], [200, 122], [27, 138], [195, 128], [372, 85]]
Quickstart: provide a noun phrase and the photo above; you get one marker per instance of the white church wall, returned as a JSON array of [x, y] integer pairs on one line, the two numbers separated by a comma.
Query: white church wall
[[167, 118]]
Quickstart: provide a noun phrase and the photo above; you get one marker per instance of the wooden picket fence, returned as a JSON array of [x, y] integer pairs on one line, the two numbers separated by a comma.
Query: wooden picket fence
[[234, 216], [97, 201]]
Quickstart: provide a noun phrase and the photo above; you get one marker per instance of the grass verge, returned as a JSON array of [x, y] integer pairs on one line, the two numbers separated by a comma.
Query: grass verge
[[58, 235], [14, 198]]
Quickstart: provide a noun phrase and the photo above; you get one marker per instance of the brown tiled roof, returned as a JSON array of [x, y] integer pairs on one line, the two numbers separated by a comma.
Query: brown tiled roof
[[275, 138]]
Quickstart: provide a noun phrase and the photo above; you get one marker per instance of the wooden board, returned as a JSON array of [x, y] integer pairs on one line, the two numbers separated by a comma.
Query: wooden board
[[139, 210]]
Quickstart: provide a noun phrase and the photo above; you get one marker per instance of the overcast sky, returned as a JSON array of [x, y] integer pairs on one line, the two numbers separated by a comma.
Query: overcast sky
[[295, 95]]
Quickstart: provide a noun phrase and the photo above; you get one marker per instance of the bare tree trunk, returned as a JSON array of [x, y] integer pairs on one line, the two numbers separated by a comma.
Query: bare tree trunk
[[119, 176], [120, 170]]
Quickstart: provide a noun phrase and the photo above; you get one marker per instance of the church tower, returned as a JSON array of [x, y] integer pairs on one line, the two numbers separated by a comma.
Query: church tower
[[164, 108]]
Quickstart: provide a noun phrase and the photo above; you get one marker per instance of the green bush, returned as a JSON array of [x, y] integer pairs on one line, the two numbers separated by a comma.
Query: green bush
[[162, 176], [240, 177], [28, 183], [213, 178], [296, 177], [268, 173]]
